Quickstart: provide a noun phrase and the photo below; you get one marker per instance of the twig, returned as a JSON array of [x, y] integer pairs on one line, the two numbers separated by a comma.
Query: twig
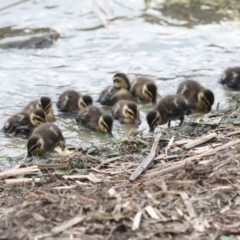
[[183, 141], [137, 220], [90, 177], [152, 213], [111, 160], [64, 226], [13, 172], [183, 163], [188, 205], [166, 170], [233, 133], [20, 181], [146, 161], [200, 141], [13, 4], [169, 145], [65, 187], [44, 165]]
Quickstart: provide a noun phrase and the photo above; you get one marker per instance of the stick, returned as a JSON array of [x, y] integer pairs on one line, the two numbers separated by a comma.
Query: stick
[[111, 160], [13, 172], [233, 133], [200, 141], [188, 204], [90, 177], [169, 145], [146, 161], [44, 165], [20, 181], [137, 220], [183, 141], [64, 226], [183, 163], [12, 5]]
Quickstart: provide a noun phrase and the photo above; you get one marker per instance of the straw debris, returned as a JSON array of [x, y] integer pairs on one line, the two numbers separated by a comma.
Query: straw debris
[[189, 191]]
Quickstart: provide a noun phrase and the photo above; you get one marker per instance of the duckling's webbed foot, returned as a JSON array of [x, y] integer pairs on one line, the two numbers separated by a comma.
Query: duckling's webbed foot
[[181, 120]]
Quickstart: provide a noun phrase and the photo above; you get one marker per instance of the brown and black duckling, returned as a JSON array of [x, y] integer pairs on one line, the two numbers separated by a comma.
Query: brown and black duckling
[[231, 78], [43, 139], [171, 107], [72, 101], [144, 89], [95, 119], [23, 122], [126, 112], [45, 104], [199, 98], [120, 90]]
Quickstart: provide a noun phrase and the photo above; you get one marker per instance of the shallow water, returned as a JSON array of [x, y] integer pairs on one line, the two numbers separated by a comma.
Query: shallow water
[[161, 43]]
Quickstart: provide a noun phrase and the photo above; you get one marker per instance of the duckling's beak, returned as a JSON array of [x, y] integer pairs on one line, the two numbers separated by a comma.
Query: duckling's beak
[[137, 121], [151, 130], [154, 102], [28, 158], [109, 134], [208, 109]]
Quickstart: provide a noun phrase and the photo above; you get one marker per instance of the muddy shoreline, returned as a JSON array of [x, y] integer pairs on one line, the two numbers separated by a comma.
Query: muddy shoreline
[[88, 195]]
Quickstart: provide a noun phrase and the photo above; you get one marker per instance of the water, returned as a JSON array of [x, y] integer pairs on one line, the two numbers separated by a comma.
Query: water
[[162, 43]]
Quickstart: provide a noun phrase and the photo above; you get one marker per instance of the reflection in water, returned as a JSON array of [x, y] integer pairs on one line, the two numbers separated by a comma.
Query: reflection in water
[[197, 12], [167, 42]]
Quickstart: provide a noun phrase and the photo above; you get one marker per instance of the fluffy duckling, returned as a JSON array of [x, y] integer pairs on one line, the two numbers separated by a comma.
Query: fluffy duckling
[[43, 139], [24, 123], [95, 119], [43, 103], [126, 112], [171, 107], [145, 89], [119, 90], [72, 101], [231, 77], [199, 98]]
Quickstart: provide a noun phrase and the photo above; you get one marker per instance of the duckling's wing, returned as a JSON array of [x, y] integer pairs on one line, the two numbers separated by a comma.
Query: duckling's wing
[[18, 120], [121, 94], [30, 107], [106, 94]]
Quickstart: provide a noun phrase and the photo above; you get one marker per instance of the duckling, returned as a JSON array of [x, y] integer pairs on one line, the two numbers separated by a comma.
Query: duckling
[[43, 139], [145, 89], [71, 101], [199, 98], [43, 103], [24, 123], [95, 119], [119, 90], [231, 77], [126, 112], [120, 80], [171, 107]]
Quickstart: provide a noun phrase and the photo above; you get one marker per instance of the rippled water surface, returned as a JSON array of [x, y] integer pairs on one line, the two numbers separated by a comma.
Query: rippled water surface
[[163, 42]]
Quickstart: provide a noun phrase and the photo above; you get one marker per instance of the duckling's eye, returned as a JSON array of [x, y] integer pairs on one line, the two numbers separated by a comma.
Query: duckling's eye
[[33, 148], [38, 119], [47, 108], [130, 113], [105, 126], [83, 104], [155, 122]]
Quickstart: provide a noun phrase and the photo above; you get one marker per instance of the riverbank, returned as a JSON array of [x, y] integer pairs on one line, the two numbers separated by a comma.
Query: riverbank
[[191, 191]]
